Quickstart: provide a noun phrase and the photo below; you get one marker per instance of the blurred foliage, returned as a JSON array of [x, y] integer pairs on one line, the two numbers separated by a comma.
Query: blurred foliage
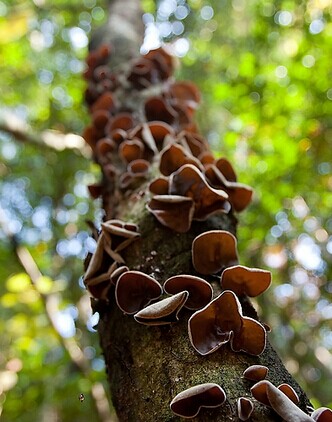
[[264, 72]]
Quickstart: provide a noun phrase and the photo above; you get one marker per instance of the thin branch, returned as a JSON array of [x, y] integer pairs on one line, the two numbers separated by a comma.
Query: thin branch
[[50, 139]]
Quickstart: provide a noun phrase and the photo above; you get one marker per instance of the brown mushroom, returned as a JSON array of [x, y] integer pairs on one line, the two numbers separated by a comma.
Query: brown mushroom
[[118, 235], [189, 181], [243, 280], [173, 211], [160, 131], [173, 157], [186, 93], [240, 195], [134, 290], [159, 186], [250, 338], [211, 327], [188, 403], [214, 250], [193, 143], [163, 312], [245, 408], [157, 109], [131, 150], [256, 372], [265, 392], [290, 392], [200, 291], [99, 268], [322, 414], [117, 272]]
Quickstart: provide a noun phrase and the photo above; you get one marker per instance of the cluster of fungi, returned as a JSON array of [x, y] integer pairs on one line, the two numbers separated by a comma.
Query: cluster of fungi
[[150, 135]]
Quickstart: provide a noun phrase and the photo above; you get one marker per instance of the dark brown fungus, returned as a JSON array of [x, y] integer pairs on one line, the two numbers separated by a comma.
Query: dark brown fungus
[[95, 190], [159, 186], [104, 102], [211, 327], [131, 150], [104, 147], [290, 392], [243, 280], [245, 408], [173, 157], [186, 93], [240, 195], [172, 211], [118, 236], [256, 372], [160, 131], [157, 109], [100, 118], [200, 291], [268, 394], [134, 290], [251, 338], [138, 167], [193, 142], [117, 273], [163, 312], [122, 121], [214, 250], [188, 403], [189, 181], [100, 268], [322, 414], [226, 169]]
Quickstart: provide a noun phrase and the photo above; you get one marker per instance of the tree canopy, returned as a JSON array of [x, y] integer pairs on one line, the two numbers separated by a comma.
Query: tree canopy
[[264, 73]]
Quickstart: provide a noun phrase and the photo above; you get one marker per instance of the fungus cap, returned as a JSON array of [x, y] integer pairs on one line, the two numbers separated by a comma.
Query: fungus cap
[[134, 290], [243, 280], [166, 210], [256, 372], [214, 250], [211, 327], [251, 338], [322, 414], [200, 291], [188, 403], [189, 181], [163, 312], [245, 408], [266, 393]]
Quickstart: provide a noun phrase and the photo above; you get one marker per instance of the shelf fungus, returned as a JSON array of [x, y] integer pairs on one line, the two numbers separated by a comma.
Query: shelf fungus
[[163, 312], [220, 322], [159, 186], [266, 393], [290, 392], [245, 281], [322, 414], [189, 181], [173, 211], [240, 195], [173, 157], [214, 250], [134, 290], [256, 372], [118, 235], [188, 403], [245, 408], [200, 291]]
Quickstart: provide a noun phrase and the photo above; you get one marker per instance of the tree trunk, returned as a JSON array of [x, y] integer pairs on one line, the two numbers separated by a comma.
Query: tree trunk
[[148, 366]]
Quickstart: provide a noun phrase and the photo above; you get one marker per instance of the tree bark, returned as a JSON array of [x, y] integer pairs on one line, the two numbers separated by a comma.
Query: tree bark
[[148, 366]]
